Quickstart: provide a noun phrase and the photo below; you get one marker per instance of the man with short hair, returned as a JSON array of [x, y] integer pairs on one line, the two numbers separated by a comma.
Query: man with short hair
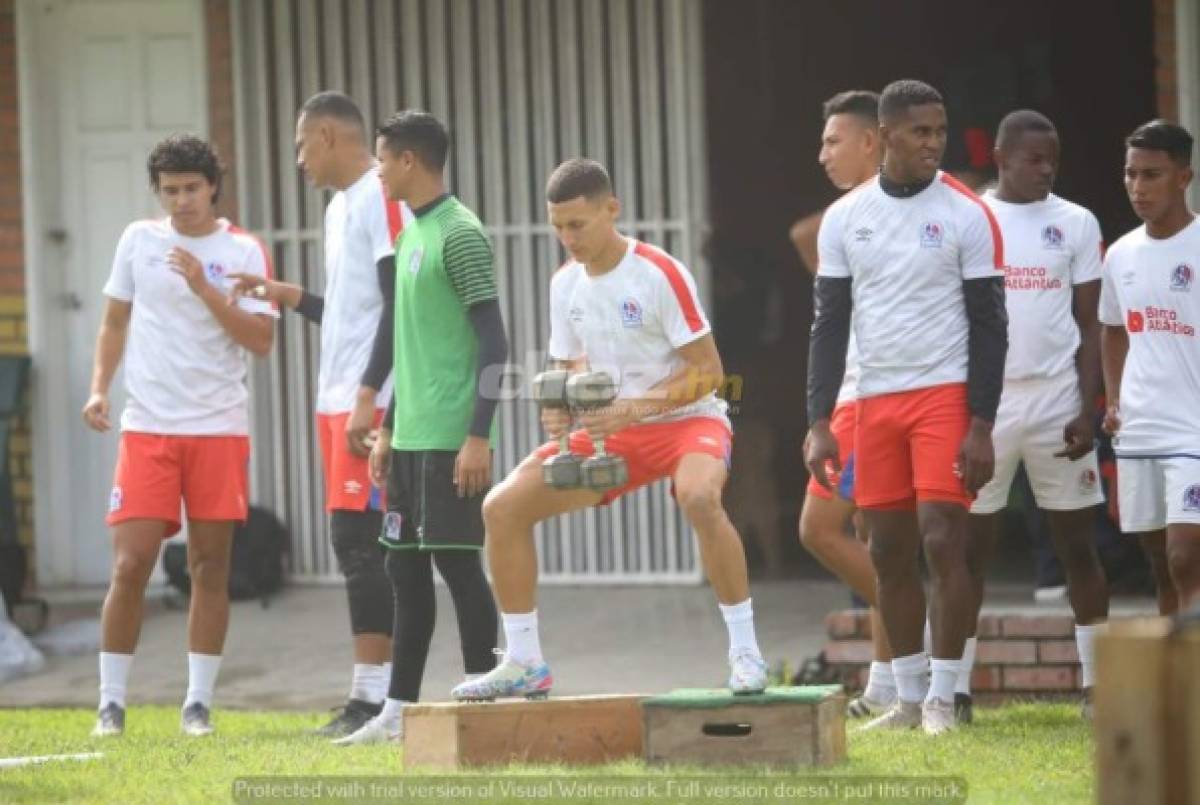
[[851, 153], [628, 309], [1150, 309], [361, 226], [918, 258], [1051, 379], [184, 428], [434, 450]]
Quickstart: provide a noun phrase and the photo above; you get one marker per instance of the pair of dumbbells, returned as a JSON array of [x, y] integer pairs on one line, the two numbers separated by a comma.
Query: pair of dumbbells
[[558, 389]]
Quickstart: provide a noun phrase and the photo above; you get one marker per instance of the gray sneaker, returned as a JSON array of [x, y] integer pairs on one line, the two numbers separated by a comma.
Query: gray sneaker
[[901, 715], [937, 716], [110, 721], [196, 720]]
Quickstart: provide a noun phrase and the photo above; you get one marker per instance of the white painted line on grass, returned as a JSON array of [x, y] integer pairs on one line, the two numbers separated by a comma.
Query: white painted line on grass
[[12, 762]]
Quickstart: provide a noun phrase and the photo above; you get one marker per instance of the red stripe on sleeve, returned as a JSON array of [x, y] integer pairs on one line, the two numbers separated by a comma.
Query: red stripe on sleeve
[[997, 240], [683, 294], [234, 229], [394, 218]]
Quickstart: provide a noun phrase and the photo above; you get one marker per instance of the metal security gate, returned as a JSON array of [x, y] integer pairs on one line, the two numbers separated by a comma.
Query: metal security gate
[[522, 84]]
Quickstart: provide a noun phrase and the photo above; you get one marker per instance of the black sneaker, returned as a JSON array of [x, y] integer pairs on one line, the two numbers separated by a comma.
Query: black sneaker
[[195, 720], [110, 721], [963, 708], [350, 717]]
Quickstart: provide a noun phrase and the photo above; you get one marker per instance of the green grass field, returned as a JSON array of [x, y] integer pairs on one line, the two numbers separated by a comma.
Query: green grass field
[[1020, 753]]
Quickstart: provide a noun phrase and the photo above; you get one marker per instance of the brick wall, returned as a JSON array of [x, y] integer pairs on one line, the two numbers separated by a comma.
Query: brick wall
[[1019, 654], [1165, 84], [219, 42], [13, 337]]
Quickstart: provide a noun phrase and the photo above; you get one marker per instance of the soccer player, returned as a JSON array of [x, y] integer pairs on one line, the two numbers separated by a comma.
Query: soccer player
[[361, 226], [1150, 311], [434, 450], [626, 308], [184, 427], [1046, 418], [918, 257], [851, 153]]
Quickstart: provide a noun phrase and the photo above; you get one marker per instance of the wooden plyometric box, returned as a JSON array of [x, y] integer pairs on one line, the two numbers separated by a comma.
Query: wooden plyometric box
[[571, 729], [1147, 700], [783, 726]]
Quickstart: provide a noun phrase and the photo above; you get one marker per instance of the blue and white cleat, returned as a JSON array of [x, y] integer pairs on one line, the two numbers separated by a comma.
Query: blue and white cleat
[[510, 678], [747, 672]]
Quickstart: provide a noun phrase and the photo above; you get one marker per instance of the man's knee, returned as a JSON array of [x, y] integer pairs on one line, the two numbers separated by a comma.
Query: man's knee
[[132, 569], [701, 503], [1183, 559], [817, 532], [209, 573], [360, 559], [507, 504]]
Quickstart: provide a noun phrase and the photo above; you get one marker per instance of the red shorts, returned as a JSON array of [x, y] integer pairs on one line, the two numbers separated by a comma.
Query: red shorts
[[654, 450], [842, 426], [906, 447], [347, 476], [155, 472]]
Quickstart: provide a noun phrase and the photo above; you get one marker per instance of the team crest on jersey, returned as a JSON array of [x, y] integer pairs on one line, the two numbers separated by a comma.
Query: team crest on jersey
[[931, 235], [1191, 498], [214, 272], [414, 260], [1087, 480], [631, 312], [115, 499], [1052, 237], [391, 526], [1181, 277]]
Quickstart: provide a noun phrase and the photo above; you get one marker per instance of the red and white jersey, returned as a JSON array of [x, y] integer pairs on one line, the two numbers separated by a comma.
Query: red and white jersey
[[183, 373], [361, 226], [1050, 246], [629, 322], [1150, 288], [908, 258]]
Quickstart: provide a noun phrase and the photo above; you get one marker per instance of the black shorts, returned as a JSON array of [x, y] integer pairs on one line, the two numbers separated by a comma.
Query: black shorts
[[423, 507]]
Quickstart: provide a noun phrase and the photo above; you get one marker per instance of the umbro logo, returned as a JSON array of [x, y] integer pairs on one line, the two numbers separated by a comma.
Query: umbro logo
[[863, 235], [352, 487]]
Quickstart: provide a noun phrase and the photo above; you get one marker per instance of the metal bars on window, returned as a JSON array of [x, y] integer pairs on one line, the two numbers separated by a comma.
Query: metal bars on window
[[522, 85]]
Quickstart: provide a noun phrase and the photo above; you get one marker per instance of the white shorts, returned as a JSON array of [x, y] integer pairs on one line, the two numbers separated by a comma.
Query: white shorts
[[1154, 492], [1029, 429]]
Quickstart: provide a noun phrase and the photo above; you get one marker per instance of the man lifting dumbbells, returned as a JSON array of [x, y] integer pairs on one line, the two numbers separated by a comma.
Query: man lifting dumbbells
[[633, 358]]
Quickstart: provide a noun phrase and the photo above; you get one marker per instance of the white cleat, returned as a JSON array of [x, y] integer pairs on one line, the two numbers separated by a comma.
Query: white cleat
[[510, 678], [901, 715], [375, 731], [937, 716], [747, 672]]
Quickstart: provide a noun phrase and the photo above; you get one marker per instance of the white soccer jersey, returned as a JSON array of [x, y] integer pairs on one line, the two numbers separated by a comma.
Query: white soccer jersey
[[908, 258], [1050, 246], [183, 373], [1149, 288], [629, 322], [361, 226]]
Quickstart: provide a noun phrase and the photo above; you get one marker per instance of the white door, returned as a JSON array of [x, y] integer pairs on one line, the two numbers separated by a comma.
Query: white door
[[112, 79]]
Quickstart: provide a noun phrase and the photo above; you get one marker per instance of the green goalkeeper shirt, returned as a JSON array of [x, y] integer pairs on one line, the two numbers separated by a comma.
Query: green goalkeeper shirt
[[444, 265]]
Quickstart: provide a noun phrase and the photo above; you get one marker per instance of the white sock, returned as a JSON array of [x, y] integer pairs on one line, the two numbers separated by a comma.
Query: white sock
[[943, 674], [393, 710], [202, 678], [928, 638], [911, 674], [369, 683], [968, 664], [114, 677], [385, 682], [881, 684], [1085, 644], [521, 639], [739, 619]]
